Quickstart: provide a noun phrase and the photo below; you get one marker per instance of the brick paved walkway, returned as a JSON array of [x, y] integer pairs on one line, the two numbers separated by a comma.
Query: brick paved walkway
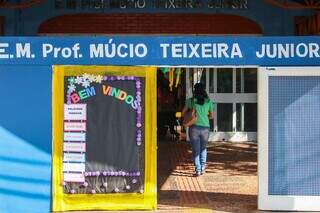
[[230, 183]]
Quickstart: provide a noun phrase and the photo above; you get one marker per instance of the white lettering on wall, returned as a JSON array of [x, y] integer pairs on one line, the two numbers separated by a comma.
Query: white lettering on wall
[[3, 47], [64, 52], [289, 50], [23, 50], [204, 50], [122, 50]]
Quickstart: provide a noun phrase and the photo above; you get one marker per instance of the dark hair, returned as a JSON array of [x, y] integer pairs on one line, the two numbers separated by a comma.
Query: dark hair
[[200, 93]]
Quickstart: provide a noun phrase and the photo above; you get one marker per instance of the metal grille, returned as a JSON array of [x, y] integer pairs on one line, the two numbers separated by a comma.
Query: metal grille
[[294, 135]]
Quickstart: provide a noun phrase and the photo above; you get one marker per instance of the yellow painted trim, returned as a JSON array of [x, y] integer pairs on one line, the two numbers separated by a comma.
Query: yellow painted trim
[[130, 201]]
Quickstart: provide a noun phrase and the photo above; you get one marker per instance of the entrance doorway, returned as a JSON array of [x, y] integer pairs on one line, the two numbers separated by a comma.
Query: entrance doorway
[[230, 181], [234, 90]]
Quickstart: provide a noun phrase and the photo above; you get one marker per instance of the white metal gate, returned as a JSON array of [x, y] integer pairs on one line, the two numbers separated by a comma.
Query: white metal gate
[[233, 102]]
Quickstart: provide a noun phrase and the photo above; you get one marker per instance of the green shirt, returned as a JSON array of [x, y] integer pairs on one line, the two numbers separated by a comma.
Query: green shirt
[[202, 111]]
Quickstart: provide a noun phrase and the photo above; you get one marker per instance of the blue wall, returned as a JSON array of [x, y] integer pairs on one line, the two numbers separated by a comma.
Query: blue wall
[[25, 139], [273, 20]]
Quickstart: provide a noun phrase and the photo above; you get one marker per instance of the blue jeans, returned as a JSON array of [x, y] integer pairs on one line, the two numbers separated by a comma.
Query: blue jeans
[[199, 137]]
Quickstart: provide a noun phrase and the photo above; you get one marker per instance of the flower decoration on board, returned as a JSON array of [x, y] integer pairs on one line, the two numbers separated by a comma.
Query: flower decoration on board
[[85, 81], [71, 80], [139, 112], [102, 182], [98, 79], [71, 88], [86, 77], [91, 78], [78, 80], [113, 173]]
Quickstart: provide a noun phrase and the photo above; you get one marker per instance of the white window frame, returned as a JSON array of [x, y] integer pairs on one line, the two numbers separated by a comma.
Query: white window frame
[[232, 98]]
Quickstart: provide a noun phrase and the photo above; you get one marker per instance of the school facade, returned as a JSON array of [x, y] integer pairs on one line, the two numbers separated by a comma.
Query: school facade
[[234, 88], [249, 74]]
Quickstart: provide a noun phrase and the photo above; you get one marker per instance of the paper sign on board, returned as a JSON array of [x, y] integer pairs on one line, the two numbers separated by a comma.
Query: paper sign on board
[[74, 147], [75, 126], [74, 136], [75, 112], [74, 157], [73, 177], [73, 167]]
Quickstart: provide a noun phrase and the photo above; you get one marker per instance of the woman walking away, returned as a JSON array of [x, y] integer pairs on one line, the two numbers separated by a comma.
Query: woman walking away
[[199, 132]]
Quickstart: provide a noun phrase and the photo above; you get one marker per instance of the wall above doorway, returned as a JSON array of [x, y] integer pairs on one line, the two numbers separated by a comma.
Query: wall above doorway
[[144, 23]]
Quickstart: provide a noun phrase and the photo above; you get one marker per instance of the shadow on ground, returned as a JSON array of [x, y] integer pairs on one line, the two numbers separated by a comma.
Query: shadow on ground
[[217, 201], [230, 182]]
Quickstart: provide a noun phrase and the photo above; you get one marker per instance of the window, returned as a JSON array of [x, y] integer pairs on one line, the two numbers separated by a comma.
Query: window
[[250, 80], [211, 80], [224, 80], [224, 116], [246, 80], [203, 77], [197, 75], [246, 117]]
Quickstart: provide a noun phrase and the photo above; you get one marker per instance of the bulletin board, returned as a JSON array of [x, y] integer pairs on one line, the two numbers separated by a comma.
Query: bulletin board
[[104, 138]]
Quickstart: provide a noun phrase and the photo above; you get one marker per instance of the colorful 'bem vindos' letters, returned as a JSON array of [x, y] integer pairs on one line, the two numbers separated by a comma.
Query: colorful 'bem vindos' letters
[[108, 91], [83, 94], [120, 94]]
